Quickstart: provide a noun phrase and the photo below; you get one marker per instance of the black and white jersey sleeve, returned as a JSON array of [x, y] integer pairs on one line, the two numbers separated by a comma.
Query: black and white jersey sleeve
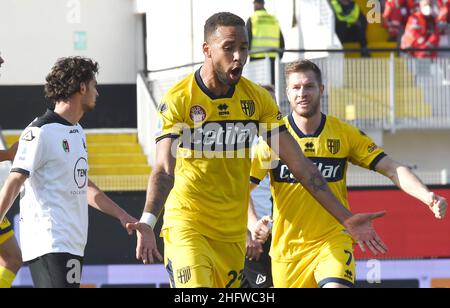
[[30, 152]]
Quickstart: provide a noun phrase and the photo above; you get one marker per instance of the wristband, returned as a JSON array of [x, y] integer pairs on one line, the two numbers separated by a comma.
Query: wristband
[[148, 219]]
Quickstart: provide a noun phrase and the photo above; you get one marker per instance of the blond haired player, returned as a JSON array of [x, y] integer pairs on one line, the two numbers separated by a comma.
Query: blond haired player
[[310, 248]]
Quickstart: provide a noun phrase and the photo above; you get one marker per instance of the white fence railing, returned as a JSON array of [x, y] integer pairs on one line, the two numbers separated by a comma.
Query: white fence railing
[[372, 94], [378, 93], [384, 93], [146, 118]]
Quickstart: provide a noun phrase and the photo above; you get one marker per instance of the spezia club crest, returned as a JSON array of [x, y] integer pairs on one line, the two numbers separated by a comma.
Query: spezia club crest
[[197, 114]]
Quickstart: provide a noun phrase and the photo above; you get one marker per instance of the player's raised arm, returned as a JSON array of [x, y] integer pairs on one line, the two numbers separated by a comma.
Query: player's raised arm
[[160, 184], [358, 225], [407, 181]]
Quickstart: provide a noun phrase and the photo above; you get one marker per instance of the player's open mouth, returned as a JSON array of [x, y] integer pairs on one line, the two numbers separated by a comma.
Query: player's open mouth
[[236, 72]]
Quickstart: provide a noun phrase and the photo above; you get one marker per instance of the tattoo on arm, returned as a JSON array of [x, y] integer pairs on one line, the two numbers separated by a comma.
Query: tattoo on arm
[[317, 182], [160, 186]]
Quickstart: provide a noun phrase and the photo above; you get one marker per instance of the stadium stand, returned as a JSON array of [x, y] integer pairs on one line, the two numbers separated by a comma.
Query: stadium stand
[[117, 162]]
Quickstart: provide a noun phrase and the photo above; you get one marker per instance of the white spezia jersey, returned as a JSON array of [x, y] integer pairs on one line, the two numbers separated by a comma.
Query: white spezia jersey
[[53, 206]]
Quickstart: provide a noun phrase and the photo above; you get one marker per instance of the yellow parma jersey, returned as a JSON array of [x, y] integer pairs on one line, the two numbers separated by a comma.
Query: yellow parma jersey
[[6, 230], [211, 188], [300, 222]]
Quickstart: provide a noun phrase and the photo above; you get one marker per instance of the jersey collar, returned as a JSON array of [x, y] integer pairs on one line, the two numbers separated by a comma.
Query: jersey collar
[[205, 90], [53, 117], [300, 133]]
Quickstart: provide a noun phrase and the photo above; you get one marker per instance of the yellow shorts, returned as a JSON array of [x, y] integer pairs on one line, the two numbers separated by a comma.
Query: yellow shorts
[[6, 231], [331, 261], [195, 261]]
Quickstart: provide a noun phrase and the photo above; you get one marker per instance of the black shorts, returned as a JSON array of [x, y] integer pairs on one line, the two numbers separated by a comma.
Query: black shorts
[[56, 270], [258, 274]]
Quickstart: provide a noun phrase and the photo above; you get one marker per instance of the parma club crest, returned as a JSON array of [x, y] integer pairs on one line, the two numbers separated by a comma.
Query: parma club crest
[[333, 145], [184, 275], [248, 107]]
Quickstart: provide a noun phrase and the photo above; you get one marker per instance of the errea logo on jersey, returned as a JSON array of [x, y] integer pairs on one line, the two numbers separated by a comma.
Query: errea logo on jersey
[[223, 110], [28, 136], [309, 147]]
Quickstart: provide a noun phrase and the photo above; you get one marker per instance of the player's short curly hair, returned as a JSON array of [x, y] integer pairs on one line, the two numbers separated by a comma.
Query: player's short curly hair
[[303, 66], [222, 19], [66, 76]]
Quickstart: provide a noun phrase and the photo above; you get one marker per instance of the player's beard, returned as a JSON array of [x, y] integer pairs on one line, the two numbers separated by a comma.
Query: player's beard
[[315, 108], [222, 75], [89, 107]]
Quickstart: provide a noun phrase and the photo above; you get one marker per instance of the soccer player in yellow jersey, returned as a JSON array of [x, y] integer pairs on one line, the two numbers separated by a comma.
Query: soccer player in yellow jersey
[[207, 124], [10, 255], [309, 247]]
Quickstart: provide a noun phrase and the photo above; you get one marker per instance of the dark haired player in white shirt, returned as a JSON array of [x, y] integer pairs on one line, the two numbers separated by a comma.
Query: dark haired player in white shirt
[[52, 162]]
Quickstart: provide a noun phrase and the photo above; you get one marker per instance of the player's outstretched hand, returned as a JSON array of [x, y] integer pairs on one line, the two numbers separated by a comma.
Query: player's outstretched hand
[[361, 229], [126, 219], [261, 231], [438, 206], [253, 248], [146, 248]]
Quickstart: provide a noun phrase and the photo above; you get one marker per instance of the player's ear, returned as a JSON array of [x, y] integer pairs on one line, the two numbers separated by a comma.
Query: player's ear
[[322, 89], [206, 50], [83, 87]]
